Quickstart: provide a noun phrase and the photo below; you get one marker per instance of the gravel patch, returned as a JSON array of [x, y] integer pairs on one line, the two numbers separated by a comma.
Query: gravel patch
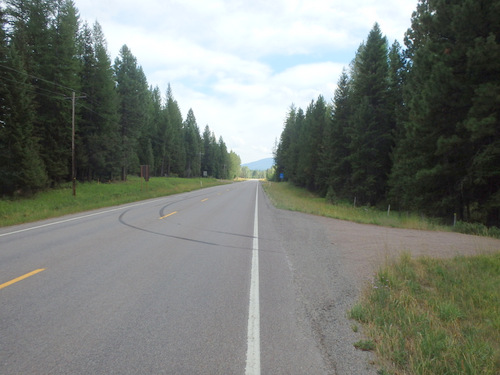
[[333, 260]]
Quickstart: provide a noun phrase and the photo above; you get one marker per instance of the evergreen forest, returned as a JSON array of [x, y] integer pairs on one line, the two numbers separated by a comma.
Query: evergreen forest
[[50, 59], [416, 127]]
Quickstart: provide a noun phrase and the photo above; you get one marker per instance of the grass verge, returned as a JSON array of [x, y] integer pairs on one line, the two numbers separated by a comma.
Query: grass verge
[[434, 316], [286, 196], [89, 196]]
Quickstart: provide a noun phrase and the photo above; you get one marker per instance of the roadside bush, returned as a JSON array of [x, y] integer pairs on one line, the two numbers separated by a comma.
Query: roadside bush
[[477, 229], [330, 196]]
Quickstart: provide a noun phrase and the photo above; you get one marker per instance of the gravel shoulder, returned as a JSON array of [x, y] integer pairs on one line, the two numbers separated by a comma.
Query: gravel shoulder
[[332, 260]]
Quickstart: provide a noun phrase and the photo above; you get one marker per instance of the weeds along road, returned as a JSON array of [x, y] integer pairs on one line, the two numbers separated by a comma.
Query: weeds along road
[[197, 283]]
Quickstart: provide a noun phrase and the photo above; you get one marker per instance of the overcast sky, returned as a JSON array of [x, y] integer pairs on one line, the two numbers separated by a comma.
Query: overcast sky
[[240, 64]]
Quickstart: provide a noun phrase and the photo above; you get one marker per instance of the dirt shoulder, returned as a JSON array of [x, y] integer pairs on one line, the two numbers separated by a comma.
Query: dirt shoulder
[[364, 248], [333, 260]]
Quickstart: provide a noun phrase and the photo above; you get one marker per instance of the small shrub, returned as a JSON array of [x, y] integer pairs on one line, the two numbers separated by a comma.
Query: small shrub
[[476, 229], [330, 196], [365, 345], [494, 232]]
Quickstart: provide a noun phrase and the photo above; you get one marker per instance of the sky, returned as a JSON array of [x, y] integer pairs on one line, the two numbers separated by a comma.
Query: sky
[[241, 64]]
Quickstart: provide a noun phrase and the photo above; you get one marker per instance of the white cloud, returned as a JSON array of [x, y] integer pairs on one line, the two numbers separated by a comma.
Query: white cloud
[[252, 114], [310, 75], [240, 64]]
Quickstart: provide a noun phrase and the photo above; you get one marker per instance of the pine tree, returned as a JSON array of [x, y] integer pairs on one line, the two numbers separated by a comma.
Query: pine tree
[[319, 125], [223, 162], [132, 93], [283, 154], [97, 135], [437, 107], [32, 38], [176, 153], [291, 149], [337, 148], [479, 24], [86, 129], [305, 144], [396, 80], [294, 152], [448, 155], [371, 124], [60, 72], [148, 131], [310, 145], [163, 141], [21, 167], [192, 142], [208, 152], [158, 131], [3, 63], [29, 28]]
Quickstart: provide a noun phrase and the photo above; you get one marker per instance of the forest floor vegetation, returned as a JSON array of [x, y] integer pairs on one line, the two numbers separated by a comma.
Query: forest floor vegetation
[[93, 195]]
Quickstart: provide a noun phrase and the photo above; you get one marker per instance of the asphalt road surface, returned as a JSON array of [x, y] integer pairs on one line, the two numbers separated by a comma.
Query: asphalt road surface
[[196, 283]]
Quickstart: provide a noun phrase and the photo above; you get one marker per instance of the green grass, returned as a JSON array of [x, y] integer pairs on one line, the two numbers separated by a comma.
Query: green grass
[[477, 229], [434, 316], [58, 202], [289, 197]]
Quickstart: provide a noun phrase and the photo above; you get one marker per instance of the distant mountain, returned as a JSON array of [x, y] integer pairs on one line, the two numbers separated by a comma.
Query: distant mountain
[[260, 165]]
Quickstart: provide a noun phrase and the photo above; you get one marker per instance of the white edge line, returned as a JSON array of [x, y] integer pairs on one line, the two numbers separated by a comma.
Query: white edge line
[[78, 218], [253, 348]]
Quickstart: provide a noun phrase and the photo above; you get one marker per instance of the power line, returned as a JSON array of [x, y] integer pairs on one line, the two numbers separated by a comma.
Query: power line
[[35, 89], [41, 79]]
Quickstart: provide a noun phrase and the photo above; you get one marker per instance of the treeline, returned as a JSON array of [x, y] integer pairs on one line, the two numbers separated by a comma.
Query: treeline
[[415, 127], [246, 172], [46, 55]]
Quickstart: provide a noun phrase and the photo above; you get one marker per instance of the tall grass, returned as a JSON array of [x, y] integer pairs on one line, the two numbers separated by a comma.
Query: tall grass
[[477, 229], [57, 202], [432, 316], [289, 197]]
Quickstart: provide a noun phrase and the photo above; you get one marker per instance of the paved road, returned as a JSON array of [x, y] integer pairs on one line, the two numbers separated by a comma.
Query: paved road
[[157, 287]]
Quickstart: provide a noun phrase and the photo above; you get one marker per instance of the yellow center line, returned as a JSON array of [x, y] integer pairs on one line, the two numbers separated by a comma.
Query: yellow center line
[[204, 200], [21, 278], [170, 214]]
